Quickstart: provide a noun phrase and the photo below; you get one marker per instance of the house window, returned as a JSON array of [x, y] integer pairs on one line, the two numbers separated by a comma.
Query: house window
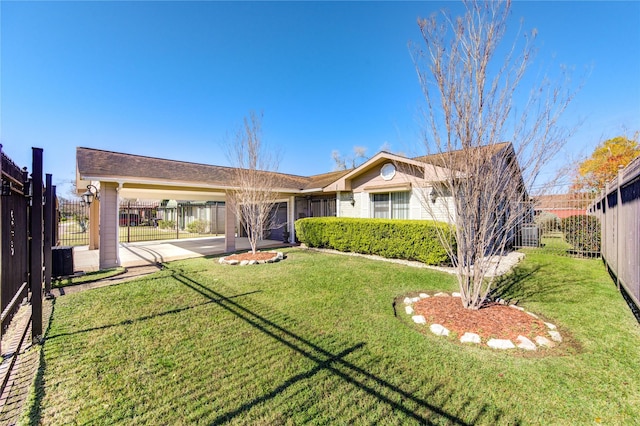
[[394, 205]]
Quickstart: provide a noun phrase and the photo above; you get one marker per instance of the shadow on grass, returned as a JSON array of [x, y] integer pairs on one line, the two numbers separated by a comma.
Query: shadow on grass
[[324, 360], [146, 317], [521, 285], [34, 414]]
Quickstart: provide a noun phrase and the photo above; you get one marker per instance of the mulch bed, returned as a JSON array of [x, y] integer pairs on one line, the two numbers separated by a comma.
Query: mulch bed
[[260, 255], [494, 321]]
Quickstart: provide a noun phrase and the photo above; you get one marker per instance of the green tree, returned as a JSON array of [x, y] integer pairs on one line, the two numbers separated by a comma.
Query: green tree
[[594, 172]]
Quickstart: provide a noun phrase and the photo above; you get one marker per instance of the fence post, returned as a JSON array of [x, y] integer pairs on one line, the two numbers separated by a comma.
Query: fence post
[[618, 227], [48, 226], [35, 269]]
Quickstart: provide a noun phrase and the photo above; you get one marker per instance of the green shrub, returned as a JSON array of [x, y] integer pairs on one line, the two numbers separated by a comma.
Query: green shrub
[[166, 224], [398, 239], [198, 226], [582, 232]]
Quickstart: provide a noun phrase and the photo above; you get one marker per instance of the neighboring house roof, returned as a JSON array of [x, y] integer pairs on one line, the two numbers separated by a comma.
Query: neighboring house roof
[[101, 165], [563, 205], [562, 201]]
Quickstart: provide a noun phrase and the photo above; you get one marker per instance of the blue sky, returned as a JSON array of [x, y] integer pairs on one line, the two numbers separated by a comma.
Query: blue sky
[[175, 79]]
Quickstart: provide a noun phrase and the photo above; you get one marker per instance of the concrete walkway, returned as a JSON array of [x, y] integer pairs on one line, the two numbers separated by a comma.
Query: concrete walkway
[[153, 252]]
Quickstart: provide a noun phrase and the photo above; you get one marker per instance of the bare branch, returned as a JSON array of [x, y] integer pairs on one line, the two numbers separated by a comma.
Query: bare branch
[[254, 182], [481, 182]]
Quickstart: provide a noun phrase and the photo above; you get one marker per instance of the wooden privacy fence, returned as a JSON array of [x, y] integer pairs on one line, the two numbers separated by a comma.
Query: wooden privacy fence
[[618, 208]]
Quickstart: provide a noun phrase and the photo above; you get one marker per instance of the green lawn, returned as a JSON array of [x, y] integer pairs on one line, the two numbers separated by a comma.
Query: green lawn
[[313, 339], [88, 277]]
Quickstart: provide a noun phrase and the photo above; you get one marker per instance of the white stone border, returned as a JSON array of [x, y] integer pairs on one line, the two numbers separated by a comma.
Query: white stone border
[[277, 257], [522, 342]]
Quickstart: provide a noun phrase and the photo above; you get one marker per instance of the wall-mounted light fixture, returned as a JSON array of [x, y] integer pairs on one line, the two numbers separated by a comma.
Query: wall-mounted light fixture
[[91, 194], [352, 200], [434, 195]]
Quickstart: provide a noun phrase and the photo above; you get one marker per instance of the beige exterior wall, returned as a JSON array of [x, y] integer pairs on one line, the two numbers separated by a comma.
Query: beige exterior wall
[[109, 202], [371, 182], [344, 207], [442, 210]]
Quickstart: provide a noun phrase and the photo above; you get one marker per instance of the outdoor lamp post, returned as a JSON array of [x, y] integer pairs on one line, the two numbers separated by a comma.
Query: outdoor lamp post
[[91, 194]]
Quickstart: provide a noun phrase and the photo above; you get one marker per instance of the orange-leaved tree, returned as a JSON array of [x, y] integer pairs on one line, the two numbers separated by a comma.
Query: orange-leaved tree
[[599, 169]]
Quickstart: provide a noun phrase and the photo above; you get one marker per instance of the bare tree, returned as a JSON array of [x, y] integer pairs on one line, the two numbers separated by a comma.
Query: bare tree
[[470, 83], [358, 157], [254, 181]]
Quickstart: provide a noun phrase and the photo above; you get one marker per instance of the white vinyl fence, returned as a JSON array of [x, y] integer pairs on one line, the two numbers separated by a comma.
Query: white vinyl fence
[[618, 208]]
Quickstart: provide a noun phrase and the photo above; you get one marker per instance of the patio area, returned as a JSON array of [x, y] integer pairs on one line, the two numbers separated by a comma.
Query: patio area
[[152, 252]]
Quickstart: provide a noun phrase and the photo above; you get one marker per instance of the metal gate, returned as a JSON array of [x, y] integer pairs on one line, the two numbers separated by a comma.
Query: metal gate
[[560, 223], [73, 222]]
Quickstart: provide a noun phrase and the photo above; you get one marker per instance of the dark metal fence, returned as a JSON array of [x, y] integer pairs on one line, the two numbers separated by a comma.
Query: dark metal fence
[[144, 221], [15, 242], [73, 222], [561, 224], [618, 209], [161, 220], [26, 235]]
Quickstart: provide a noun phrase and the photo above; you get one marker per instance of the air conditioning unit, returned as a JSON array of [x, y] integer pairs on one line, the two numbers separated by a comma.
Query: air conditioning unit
[[61, 261]]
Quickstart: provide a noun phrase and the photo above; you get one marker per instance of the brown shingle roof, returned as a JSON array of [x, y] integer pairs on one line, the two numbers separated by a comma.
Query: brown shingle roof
[[96, 163], [459, 155]]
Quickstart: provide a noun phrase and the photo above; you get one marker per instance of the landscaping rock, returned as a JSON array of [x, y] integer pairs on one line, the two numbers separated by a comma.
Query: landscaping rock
[[442, 294], [419, 319], [516, 307], [500, 344], [408, 309], [543, 341], [525, 343], [551, 326], [439, 330], [415, 299], [532, 314], [423, 295], [555, 336], [407, 301], [244, 263], [232, 262], [456, 294], [470, 338], [253, 262]]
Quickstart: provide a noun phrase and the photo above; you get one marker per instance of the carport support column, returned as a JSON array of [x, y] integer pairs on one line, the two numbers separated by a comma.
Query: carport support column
[[291, 218], [229, 228], [109, 225]]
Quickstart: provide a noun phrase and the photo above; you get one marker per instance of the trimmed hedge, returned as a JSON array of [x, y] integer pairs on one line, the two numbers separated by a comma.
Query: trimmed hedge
[[582, 232], [398, 239]]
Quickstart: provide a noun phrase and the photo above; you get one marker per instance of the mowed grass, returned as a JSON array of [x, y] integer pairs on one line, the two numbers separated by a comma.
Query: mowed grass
[[314, 339]]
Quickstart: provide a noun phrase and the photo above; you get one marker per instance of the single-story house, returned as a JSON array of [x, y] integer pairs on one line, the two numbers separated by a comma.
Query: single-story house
[[385, 186]]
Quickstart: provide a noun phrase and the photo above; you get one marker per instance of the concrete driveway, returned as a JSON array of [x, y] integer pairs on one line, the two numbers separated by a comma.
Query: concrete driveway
[[152, 252]]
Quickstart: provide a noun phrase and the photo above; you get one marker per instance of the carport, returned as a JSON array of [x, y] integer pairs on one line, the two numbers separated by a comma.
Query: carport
[[117, 176]]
